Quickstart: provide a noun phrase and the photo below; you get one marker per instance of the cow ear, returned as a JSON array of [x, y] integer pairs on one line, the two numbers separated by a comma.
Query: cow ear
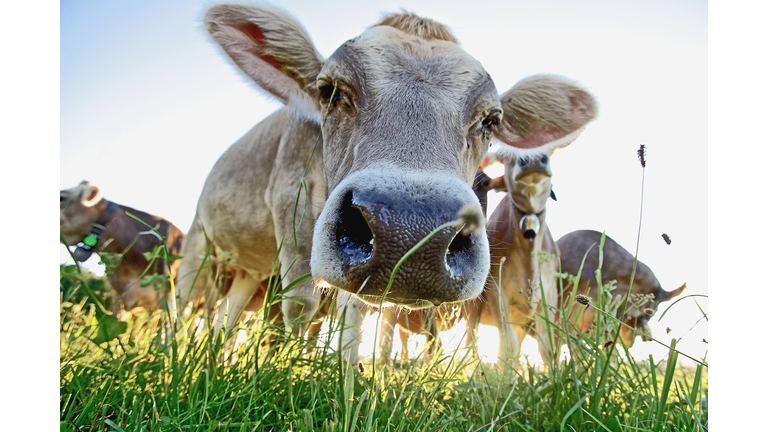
[[498, 184], [270, 46], [90, 194], [543, 113]]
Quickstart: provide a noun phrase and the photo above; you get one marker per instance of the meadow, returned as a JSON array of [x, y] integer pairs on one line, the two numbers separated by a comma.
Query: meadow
[[126, 376]]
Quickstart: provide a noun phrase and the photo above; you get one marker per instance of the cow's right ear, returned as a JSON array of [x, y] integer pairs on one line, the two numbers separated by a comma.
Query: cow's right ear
[[541, 114], [271, 47], [498, 184], [90, 194]]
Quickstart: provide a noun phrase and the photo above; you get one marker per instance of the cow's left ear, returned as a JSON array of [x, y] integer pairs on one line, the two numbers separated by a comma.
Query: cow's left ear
[[543, 113], [90, 195], [270, 46]]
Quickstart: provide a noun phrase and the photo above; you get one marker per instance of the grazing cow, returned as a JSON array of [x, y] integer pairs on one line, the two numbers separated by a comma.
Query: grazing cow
[[95, 224], [376, 147], [583, 246], [521, 285]]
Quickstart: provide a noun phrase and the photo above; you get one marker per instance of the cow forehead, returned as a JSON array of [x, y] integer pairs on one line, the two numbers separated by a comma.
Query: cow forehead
[[383, 59], [73, 191]]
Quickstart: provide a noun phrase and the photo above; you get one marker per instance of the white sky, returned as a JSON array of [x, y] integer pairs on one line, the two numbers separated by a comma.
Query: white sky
[[148, 105]]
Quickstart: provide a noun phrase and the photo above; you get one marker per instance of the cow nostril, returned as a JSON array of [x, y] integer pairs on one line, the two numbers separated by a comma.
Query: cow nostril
[[544, 160], [458, 257], [353, 234]]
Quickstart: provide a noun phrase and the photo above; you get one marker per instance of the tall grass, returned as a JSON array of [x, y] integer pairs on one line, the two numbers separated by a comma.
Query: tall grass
[[139, 381], [133, 376]]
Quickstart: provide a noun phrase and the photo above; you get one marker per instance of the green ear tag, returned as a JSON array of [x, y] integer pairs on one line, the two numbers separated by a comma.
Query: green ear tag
[[90, 240]]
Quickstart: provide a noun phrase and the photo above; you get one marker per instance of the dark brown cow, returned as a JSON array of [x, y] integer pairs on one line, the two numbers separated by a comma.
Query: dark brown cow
[[646, 292], [84, 212], [376, 147]]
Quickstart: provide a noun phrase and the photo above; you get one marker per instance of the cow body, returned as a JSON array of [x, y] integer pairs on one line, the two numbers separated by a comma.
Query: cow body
[[376, 147], [521, 285], [646, 293], [83, 206]]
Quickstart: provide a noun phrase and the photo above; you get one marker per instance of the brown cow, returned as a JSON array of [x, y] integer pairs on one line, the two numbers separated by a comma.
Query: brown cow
[[376, 147], [521, 286], [94, 224], [646, 293]]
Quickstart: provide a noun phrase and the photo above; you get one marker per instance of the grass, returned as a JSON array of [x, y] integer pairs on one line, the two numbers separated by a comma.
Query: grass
[[125, 376], [138, 381]]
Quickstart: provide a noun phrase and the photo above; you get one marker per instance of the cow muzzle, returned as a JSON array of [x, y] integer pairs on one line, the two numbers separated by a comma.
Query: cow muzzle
[[531, 184], [374, 218]]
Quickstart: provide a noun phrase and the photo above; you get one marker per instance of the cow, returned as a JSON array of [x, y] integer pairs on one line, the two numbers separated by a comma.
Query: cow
[[644, 299], [95, 224], [521, 291], [375, 147]]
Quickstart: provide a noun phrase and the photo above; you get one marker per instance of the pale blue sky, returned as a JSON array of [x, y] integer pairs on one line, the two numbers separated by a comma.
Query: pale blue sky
[[148, 105]]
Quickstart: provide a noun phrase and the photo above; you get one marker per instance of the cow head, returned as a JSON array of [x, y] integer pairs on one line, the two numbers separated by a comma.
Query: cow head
[[79, 210], [641, 309], [406, 118]]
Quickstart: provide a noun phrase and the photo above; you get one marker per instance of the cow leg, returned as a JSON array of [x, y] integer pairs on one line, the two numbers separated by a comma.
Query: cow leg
[[181, 303], [519, 333], [429, 317], [294, 212], [471, 311], [352, 313], [243, 288], [547, 347], [546, 334], [313, 331], [580, 321], [404, 336], [386, 334], [509, 342]]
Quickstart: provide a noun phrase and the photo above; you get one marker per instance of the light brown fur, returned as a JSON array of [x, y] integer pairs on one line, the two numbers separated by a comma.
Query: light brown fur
[[390, 118]]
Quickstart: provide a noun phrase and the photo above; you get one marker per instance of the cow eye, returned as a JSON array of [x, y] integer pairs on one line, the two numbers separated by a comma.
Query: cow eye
[[488, 124], [329, 91]]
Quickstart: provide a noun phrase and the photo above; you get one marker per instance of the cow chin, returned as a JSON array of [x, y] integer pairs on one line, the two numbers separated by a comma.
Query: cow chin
[[374, 217], [413, 305]]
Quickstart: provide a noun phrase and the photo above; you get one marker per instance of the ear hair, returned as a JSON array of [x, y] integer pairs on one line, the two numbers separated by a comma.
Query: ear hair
[[90, 196], [268, 45], [542, 113]]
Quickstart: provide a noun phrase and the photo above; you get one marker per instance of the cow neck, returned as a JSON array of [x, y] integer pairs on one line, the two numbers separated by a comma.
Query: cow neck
[[523, 214], [520, 221], [88, 244]]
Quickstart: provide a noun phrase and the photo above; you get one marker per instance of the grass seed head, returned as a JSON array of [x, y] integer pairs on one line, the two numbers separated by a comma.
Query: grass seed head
[[641, 154], [473, 219], [581, 298]]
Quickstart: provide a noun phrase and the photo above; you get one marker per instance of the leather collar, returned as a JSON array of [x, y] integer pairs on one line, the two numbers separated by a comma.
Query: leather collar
[[88, 244]]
